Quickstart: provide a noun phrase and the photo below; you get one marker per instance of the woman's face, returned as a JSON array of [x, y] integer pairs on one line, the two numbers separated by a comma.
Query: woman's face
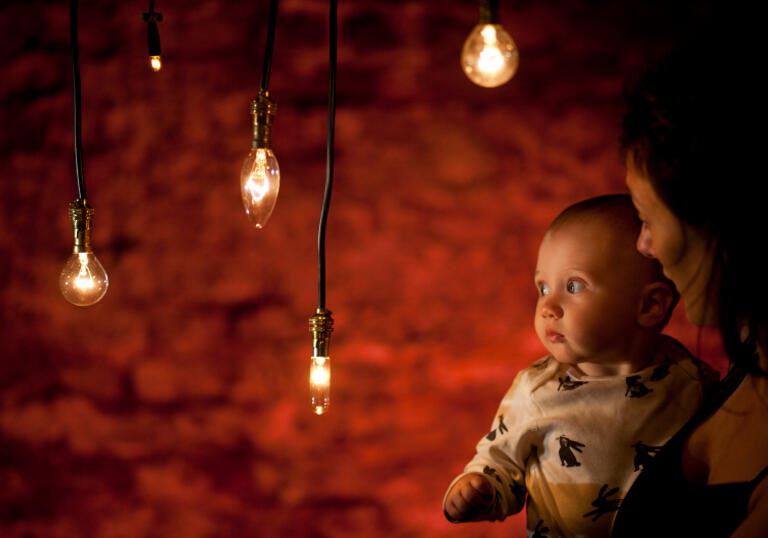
[[684, 252]]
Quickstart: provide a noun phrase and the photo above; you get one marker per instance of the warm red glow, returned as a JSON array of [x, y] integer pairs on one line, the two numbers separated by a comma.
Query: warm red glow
[[178, 405]]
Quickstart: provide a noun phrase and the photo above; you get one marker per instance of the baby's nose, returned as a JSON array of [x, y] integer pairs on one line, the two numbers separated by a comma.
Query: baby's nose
[[551, 308]]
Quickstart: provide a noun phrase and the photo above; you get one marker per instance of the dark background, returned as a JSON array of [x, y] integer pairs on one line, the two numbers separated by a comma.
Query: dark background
[[177, 406]]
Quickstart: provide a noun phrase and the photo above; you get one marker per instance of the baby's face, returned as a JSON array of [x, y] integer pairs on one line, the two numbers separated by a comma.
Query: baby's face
[[589, 283]]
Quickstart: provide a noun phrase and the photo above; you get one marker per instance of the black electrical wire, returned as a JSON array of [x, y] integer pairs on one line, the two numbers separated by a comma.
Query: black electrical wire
[[78, 98], [489, 12], [270, 46], [153, 34], [329, 157]]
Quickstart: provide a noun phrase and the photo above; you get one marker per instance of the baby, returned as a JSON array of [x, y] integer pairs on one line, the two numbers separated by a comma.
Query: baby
[[575, 427]]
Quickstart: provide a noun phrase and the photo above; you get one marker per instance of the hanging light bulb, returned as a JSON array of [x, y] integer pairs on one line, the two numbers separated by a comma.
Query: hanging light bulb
[[153, 37], [260, 176], [83, 281], [321, 326], [489, 56]]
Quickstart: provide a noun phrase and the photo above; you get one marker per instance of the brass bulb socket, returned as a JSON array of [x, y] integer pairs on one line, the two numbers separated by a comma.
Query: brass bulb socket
[[81, 214], [321, 327], [263, 110]]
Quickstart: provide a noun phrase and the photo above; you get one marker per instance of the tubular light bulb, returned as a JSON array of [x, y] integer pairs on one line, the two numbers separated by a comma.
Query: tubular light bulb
[[83, 281], [320, 384], [489, 56], [259, 185], [321, 326], [153, 38]]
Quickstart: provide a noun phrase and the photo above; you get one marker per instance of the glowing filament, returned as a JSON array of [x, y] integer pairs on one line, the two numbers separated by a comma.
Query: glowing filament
[[320, 384], [83, 280], [259, 185], [490, 60], [156, 63], [489, 56], [258, 182]]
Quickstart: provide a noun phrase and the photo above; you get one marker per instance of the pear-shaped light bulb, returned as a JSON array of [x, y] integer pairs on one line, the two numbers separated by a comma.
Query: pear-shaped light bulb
[[156, 63], [259, 185], [83, 280], [489, 56], [320, 384]]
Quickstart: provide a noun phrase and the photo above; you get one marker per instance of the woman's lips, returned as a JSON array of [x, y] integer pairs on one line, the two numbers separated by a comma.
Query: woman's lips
[[554, 336]]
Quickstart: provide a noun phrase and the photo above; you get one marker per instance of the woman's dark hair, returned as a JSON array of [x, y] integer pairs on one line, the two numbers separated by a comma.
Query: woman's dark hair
[[695, 127]]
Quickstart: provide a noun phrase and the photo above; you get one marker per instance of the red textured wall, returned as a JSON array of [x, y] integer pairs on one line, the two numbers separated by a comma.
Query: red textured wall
[[177, 407]]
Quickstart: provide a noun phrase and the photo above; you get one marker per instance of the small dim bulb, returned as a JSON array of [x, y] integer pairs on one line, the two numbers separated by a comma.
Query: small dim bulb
[[259, 185], [83, 280], [489, 56], [320, 384], [156, 63]]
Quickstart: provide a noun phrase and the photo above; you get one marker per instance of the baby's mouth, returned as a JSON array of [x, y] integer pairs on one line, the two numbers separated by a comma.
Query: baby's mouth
[[554, 336]]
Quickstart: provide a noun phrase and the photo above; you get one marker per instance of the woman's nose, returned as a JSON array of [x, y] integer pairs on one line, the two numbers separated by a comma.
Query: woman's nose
[[644, 243], [550, 308]]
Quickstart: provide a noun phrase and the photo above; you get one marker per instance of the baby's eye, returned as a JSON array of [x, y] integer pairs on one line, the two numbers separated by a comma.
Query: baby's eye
[[574, 286], [543, 289]]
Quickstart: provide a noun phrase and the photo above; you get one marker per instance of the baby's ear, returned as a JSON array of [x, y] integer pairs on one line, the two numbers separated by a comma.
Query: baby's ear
[[658, 301]]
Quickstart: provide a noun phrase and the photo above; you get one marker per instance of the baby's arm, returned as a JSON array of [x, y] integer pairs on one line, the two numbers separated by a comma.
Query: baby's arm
[[492, 485], [470, 499]]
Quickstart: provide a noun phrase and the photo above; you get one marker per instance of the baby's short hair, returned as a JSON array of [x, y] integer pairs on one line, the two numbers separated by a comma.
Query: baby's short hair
[[617, 212], [616, 209]]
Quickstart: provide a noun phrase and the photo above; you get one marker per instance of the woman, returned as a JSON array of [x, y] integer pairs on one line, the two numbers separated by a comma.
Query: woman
[[698, 187]]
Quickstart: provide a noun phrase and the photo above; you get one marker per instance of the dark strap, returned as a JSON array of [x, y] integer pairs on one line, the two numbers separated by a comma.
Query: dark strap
[[722, 391], [759, 478]]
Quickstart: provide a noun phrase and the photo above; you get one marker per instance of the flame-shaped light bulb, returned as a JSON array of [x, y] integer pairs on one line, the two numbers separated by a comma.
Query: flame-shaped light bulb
[[321, 326], [153, 38], [83, 281], [260, 176], [489, 56], [259, 185]]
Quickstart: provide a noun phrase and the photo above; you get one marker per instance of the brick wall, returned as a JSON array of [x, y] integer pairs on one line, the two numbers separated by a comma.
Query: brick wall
[[177, 407]]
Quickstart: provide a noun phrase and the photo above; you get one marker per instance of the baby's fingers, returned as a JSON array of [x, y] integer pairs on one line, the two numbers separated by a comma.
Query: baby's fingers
[[482, 487], [456, 508], [475, 499]]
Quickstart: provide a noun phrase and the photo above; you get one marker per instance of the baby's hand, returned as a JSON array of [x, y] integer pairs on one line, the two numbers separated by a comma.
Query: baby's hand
[[469, 499]]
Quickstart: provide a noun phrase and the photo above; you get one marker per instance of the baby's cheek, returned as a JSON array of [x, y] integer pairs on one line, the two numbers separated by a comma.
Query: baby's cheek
[[538, 325], [604, 328]]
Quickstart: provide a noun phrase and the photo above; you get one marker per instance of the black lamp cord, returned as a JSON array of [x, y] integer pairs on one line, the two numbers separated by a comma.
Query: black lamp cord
[[329, 158], [153, 35], [270, 46], [489, 12], [78, 98]]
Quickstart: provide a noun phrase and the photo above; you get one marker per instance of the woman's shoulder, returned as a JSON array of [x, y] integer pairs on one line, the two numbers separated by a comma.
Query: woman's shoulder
[[733, 440], [695, 368]]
